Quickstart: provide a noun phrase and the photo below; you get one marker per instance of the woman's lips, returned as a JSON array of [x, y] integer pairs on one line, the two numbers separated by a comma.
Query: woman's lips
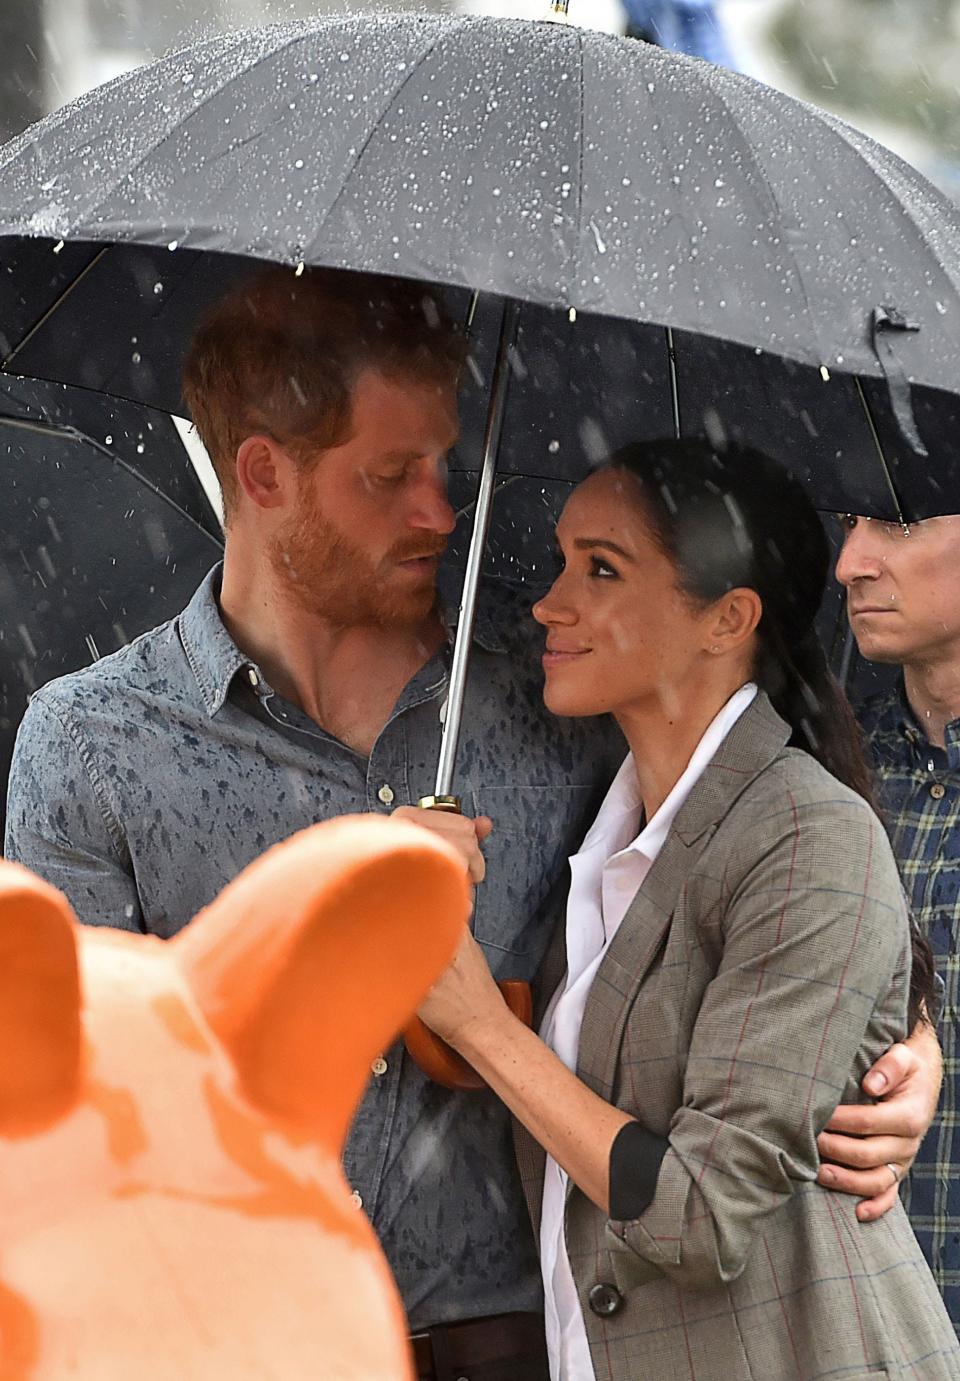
[[557, 656]]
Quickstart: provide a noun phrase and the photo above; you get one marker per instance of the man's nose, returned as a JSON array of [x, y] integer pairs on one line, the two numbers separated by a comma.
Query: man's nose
[[431, 507], [857, 559]]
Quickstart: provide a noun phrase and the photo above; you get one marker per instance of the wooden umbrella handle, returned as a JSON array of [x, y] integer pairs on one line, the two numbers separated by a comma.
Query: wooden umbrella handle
[[441, 1063]]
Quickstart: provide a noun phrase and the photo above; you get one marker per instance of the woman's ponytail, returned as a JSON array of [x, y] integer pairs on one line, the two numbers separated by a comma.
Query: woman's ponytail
[[805, 692]]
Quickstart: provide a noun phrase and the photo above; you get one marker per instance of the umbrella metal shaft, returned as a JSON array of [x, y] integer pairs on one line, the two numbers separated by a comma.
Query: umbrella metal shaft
[[460, 662]]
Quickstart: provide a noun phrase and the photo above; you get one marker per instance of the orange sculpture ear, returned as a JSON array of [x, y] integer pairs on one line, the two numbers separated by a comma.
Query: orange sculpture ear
[[309, 964], [39, 1003]]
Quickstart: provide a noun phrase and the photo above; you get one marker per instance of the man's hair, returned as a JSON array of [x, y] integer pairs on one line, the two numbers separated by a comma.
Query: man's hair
[[280, 354]]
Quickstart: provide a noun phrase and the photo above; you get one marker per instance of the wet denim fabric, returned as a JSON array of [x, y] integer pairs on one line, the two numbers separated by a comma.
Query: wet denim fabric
[[141, 785]]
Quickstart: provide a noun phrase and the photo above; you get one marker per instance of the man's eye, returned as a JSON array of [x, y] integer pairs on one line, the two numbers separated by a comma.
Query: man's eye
[[386, 480]]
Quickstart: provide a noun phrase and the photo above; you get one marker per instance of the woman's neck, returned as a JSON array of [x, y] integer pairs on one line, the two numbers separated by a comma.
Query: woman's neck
[[663, 733]]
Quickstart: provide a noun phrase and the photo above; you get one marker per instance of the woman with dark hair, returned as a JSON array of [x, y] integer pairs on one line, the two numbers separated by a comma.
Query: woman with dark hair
[[736, 951]]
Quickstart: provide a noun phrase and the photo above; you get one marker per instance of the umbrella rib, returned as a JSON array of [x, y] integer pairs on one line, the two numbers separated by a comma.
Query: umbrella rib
[[581, 134], [28, 424], [750, 156], [896, 203], [374, 127], [52, 308], [880, 451], [178, 128]]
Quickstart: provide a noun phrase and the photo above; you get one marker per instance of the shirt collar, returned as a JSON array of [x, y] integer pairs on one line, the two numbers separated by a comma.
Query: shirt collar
[[898, 715], [215, 658], [623, 802]]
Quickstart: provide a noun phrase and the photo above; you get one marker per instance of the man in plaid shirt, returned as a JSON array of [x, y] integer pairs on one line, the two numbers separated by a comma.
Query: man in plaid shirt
[[903, 600]]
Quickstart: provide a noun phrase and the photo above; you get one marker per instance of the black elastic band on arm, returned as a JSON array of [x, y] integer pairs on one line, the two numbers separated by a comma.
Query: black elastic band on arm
[[635, 1159]]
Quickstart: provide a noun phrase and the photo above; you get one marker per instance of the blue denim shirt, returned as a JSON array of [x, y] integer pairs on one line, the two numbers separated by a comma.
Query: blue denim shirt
[[141, 785]]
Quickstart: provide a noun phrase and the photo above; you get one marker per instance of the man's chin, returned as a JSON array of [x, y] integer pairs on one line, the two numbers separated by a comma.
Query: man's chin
[[406, 610], [873, 650]]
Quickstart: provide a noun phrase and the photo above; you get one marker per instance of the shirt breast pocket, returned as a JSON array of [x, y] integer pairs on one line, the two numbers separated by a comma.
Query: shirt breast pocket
[[535, 829]]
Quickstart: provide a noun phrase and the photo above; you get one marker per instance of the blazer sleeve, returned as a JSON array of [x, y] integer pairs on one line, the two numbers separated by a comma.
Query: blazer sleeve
[[815, 959]]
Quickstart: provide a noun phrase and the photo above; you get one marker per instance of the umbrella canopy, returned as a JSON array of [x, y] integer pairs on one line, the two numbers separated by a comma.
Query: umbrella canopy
[[568, 169], [92, 551]]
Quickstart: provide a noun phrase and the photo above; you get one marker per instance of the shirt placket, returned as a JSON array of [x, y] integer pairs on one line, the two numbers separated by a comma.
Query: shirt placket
[[387, 787]]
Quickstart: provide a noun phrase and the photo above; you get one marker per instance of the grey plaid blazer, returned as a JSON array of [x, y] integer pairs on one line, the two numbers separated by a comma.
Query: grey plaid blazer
[[759, 972]]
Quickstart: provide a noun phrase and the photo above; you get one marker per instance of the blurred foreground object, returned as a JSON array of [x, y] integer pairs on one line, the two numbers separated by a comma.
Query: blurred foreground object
[[172, 1116]]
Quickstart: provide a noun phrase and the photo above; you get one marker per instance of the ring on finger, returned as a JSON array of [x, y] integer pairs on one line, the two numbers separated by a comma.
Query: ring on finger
[[894, 1170]]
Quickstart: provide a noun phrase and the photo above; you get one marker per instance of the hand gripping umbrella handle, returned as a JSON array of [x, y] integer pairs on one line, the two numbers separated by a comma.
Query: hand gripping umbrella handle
[[438, 1060]]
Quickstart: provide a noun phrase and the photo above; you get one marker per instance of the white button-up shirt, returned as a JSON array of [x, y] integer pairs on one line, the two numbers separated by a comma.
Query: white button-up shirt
[[606, 875]]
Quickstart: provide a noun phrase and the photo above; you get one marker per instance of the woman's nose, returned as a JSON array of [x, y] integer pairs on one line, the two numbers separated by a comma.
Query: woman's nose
[[552, 609]]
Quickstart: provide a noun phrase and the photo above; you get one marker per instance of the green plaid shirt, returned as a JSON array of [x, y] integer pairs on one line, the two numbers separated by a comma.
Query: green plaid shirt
[[919, 791]]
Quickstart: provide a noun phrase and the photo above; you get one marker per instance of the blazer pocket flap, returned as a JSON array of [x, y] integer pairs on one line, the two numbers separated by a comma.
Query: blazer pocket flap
[[631, 1269]]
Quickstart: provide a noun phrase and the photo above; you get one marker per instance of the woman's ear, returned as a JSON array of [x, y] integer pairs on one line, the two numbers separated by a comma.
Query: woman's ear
[[734, 620], [264, 470]]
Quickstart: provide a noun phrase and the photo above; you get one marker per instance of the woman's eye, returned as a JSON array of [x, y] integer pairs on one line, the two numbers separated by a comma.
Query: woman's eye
[[601, 568], [387, 480]]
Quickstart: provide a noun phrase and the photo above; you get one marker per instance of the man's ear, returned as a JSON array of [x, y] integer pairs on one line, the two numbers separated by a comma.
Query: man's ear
[[309, 964], [39, 1003], [264, 470], [734, 620]]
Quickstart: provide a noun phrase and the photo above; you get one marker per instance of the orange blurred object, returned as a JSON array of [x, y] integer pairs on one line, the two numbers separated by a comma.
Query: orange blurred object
[[172, 1116]]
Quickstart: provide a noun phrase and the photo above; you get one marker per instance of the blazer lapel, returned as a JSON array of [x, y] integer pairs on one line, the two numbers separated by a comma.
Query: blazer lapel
[[751, 745]]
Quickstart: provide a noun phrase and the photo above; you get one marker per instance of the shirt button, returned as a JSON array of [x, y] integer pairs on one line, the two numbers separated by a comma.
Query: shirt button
[[938, 791], [386, 794], [357, 1199], [379, 1066], [605, 1300], [253, 678]]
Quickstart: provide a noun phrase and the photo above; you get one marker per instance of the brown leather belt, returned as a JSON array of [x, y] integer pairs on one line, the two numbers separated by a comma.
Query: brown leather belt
[[502, 1347]]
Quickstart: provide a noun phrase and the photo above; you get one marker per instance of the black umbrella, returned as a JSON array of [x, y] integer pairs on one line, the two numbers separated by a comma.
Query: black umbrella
[[93, 551], [693, 251]]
